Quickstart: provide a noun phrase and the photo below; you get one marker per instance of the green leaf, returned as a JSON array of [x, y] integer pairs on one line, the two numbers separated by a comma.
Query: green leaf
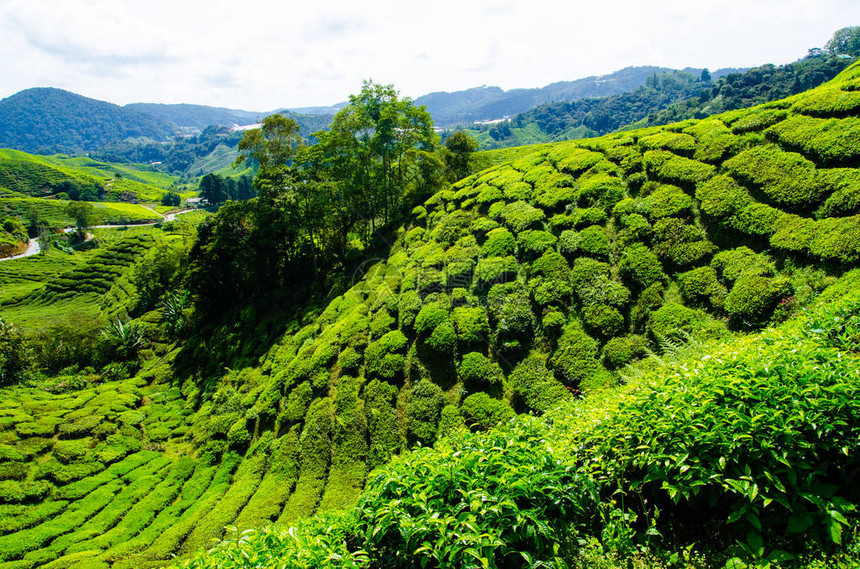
[[755, 543], [835, 531], [799, 522]]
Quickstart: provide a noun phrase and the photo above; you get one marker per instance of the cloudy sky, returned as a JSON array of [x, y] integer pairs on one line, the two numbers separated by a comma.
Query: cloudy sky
[[261, 56]]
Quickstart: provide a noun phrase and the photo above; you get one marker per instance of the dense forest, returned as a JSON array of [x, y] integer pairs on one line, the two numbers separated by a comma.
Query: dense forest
[[640, 349], [48, 121], [670, 97]]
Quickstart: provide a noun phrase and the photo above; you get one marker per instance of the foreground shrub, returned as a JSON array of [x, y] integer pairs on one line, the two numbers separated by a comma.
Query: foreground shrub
[[507, 502], [753, 441], [313, 542]]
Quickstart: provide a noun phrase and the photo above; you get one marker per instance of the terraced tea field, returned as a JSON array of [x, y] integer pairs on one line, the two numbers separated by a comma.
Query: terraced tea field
[[516, 290]]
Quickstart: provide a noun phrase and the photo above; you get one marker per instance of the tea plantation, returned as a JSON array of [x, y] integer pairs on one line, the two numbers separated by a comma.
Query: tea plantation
[[631, 351]]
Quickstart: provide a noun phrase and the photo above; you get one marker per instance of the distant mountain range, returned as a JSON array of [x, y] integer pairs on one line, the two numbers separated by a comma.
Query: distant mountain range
[[488, 103], [197, 116], [49, 120]]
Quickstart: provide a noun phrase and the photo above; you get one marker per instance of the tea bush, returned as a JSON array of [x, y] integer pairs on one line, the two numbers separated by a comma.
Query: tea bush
[[476, 371], [623, 350], [700, 438], [594, 242], [641, 267], [752, 299], [500, 243], [787, 178], [482, 412]]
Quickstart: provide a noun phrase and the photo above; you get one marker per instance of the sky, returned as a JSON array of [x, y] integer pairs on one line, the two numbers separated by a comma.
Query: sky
[[262, 56]]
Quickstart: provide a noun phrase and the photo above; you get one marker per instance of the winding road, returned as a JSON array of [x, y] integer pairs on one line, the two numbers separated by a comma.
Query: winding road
[[34, 247]]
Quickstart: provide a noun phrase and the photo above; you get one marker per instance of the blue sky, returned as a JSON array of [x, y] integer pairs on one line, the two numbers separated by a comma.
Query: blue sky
[[265, 55]]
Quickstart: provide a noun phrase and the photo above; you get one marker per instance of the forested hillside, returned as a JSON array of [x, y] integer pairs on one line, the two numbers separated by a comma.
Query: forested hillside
[[670, 97], [48, 121], [491, 103], [362, 306]]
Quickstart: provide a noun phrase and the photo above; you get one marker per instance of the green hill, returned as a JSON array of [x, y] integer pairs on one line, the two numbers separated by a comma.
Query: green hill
[[526, 288], [40, 176], [47, 121]]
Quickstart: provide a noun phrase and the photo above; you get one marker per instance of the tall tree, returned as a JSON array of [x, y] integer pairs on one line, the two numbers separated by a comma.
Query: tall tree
[[376, 146], [82, 213], [460, 148], [845, 41]]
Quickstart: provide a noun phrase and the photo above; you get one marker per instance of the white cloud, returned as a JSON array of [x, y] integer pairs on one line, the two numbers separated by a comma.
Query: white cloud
[[262, 55]]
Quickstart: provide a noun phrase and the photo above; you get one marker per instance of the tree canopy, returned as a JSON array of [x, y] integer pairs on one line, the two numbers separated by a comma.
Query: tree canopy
[[315, 202]]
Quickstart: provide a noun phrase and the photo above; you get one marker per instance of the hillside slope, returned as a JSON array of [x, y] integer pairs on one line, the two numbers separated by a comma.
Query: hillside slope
[[48, 121], [516, 290]]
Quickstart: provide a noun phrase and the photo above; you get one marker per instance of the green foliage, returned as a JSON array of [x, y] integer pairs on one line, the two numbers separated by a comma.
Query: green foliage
[[641, 267], [422, 412], [568, 243], [602, 321], [621, 351], [675, 324], [471, 326], [14, 359], [827, 101], [575, 361], [384, 357], [845, 197], [719, 419], [495, 270], [700, 286], [742, 261], [753, 298], [668, 201], [601, 191], [594, 242], [786, 178], [532, 244], [722, 197], [510, 501], [520, 216], [476, 371], [500, 243], [680, 244], [713, 141], [679, 143], [382, 428], [670, 168], [483, 412], [828, 140], [313, 542]]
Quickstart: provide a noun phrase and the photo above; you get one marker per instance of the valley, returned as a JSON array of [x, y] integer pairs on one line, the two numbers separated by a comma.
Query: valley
[[638, 349]]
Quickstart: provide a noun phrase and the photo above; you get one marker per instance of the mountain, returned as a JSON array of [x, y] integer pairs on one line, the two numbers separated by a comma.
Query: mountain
[[48, 121], [664, 98], [490, 103], [688, 252], [328, 110], [197, 116]]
